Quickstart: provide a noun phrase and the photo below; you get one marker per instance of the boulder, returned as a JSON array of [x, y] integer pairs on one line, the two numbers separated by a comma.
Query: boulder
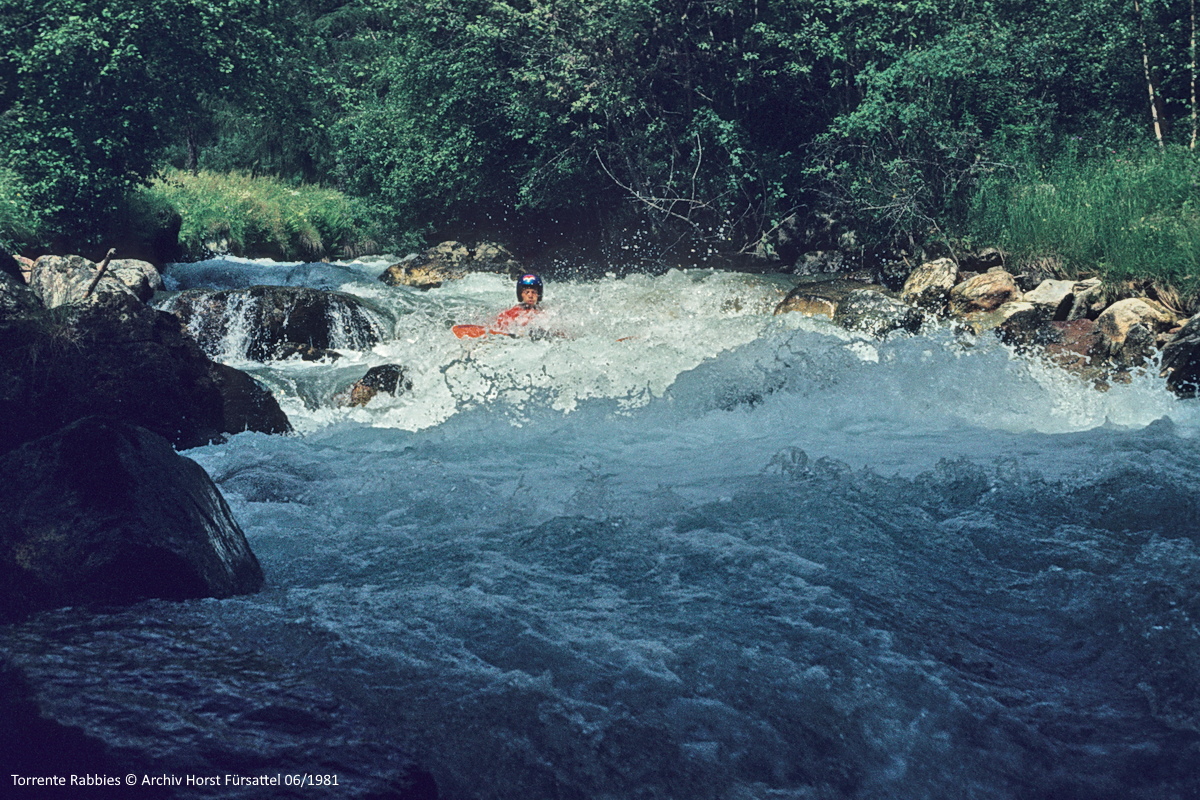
[[1088, 299], [63, 280], [387, 378], [117, 357], [245, 404], [1127, 330], [1059, 296], [985, 292], [103, 512], [1181, 360], [17, 299], [1023, 324], [1116, 321], [930, 283], [10, 266], [449, 261], [265, 323], [983, 260], [140, 276], [874, 313], [818, 298]]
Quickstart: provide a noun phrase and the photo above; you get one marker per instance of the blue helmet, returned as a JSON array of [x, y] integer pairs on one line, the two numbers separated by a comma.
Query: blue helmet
[[529, 280]]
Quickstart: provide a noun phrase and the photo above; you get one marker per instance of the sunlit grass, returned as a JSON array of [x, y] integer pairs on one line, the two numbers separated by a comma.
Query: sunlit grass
[[258, 216], [1130, 218]]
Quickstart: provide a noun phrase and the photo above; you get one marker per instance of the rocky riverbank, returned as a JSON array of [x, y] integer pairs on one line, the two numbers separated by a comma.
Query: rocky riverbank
[[97, 391]]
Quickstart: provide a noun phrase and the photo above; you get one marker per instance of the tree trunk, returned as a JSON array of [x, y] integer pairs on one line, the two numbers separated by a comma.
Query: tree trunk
[[1158, 134], [1192, 49]]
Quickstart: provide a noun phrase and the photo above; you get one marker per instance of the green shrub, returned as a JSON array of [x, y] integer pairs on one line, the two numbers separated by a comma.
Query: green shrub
[[20, 225], [1129, 217], [263, 217]]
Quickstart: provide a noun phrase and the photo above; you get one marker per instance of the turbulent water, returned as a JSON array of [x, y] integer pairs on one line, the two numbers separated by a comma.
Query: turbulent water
[[689, 549]]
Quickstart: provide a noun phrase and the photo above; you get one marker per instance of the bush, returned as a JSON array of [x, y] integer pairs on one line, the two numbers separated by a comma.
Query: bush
[[20, 225], [264, 217], [1130, 217]]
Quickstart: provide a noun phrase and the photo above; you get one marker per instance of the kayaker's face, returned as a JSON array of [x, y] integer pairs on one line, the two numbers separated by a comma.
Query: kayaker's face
[[529, 296]]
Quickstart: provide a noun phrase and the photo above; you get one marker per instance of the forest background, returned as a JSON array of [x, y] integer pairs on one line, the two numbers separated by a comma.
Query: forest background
[[1063, 131]]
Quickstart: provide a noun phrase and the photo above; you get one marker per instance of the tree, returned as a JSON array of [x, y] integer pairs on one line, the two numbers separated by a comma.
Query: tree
[[92, 90]]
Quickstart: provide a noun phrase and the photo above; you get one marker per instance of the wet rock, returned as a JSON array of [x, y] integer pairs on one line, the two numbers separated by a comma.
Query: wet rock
[[387, 378], [1025, 324], [245, 404], [929, 285], [818, 298], [985, 292], [305, 352], [1076, 346], [265, 323], [63, 280], [1181, 360], [103, 512], [449, 261], [117, 357], [873, 312]]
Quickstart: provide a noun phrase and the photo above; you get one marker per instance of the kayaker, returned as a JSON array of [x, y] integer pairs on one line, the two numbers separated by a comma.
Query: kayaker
[[529, 294]]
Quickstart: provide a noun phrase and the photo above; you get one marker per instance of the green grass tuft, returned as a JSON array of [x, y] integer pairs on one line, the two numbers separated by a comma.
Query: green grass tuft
[[1130, 218], [263, 217]]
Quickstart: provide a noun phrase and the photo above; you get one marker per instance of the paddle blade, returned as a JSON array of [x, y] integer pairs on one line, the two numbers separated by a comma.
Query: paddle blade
[[469, 331]]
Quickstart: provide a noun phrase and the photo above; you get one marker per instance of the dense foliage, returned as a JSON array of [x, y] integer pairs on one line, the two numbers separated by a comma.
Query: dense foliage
[[719, 122]]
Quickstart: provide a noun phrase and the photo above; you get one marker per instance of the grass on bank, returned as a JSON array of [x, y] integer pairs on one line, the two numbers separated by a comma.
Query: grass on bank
[[1131, 218], [256, 216]]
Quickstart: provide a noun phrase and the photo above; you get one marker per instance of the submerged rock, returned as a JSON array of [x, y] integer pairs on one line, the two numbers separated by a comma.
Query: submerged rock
[[265, 323], [104, 512], [387, 378]]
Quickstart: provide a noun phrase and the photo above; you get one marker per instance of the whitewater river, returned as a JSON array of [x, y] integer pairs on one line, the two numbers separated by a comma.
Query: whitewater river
[[693, 550]]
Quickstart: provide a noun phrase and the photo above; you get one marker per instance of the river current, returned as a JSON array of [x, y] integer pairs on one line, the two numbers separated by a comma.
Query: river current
[[692, 550]]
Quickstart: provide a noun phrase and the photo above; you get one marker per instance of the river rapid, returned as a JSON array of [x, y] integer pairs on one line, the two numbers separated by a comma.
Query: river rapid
[[691, 550]]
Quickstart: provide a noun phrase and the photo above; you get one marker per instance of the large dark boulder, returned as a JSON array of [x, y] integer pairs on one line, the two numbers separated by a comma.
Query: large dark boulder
[[103, 512], [17, 299], [264, 323], [117, 357]]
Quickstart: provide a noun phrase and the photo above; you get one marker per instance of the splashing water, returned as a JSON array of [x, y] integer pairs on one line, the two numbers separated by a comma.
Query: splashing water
[[690, 549]]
